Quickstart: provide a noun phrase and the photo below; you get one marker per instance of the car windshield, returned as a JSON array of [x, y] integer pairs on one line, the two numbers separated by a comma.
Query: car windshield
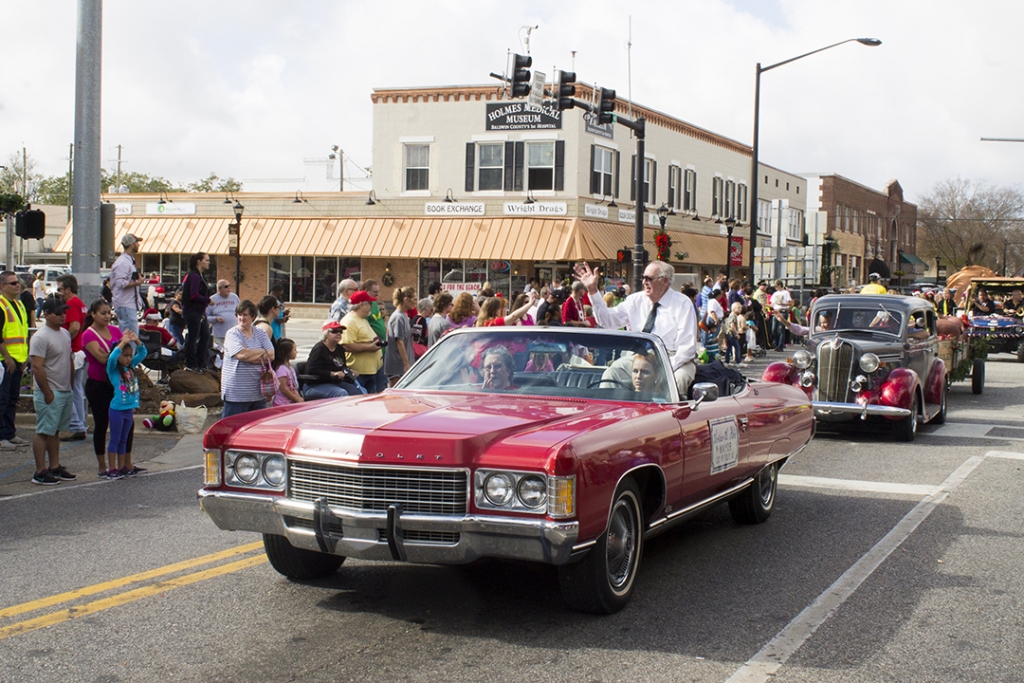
[[872, 318], [539, 362]]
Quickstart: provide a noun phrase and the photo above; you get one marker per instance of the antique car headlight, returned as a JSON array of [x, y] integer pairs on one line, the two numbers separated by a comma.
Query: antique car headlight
[[274, 470], [532, 491], [255, 470], [802, 359], [869, 363], [858, 384], [247, 468], [498, 488]]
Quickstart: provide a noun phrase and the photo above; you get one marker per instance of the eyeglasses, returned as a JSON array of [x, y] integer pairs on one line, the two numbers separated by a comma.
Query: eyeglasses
[[11, 282], [334, 330], [648, 278]]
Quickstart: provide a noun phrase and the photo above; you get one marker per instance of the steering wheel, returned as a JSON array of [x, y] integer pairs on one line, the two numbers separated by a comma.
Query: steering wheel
[[611, 380]]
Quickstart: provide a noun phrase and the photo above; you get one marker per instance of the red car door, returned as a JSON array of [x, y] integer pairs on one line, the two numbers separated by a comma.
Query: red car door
[[715, 448]]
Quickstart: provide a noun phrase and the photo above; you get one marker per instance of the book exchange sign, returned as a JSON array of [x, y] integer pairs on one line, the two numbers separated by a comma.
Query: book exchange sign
[[522, 116]]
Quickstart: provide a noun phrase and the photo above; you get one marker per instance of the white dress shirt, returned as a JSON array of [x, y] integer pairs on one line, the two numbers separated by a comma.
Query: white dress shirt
[[675, 324]]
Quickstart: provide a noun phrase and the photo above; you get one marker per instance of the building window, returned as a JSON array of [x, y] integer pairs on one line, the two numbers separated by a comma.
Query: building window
[[741, 203], [602, 175], [417, 167], [540, 166], [690, 190], [764, 216], [717, 196], [730, 199], [675, 178], [492, 166], [796, 223], [650, 177]]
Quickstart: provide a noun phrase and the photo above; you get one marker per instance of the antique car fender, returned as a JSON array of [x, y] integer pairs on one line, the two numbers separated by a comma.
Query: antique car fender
[[781, 373], [898, 389], [936, 384]]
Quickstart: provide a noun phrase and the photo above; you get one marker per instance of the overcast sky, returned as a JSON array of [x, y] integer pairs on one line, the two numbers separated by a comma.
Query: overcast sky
[[250, 88]]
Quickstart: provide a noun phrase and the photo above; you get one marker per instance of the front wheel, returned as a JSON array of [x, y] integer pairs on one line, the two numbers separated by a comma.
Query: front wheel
[[299, 563], [755, 504], [602, 582], [906, 429], [1020, 352]]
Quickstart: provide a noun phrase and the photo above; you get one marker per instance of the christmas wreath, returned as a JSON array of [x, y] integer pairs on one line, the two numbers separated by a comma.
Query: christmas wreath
[[663, 243]]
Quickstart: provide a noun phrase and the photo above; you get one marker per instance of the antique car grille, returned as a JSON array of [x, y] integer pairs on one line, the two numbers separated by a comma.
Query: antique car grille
[[413, 535], [835, 370], [368, 489]]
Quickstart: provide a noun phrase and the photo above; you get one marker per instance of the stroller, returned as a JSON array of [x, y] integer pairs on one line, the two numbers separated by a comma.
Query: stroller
[[753, 348]]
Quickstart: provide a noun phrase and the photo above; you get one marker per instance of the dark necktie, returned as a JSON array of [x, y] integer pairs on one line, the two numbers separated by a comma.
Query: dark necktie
[[649, 325]]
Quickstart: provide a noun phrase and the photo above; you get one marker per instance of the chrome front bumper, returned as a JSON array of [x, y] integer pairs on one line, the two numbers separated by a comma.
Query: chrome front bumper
[[823, 409], [384, 535]]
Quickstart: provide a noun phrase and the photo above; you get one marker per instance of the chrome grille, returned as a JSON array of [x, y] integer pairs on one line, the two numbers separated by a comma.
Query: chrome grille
[[368, 489], [835, 370]]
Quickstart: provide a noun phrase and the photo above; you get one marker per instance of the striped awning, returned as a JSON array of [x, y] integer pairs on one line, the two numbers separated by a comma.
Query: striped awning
[[511, 238]]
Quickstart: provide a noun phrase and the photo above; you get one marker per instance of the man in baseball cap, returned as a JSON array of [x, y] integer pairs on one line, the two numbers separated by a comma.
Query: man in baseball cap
[[125, 280], [360, 297]]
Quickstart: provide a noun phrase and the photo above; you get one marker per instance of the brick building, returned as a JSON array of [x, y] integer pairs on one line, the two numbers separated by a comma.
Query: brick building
[[870, 231]]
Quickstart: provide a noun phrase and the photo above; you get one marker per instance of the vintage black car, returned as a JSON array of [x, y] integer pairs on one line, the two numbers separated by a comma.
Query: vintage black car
[[1003, 331], [870, 357]]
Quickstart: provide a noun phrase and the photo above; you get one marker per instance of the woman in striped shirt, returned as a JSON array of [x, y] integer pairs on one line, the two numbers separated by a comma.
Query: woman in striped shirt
[[246, 350]]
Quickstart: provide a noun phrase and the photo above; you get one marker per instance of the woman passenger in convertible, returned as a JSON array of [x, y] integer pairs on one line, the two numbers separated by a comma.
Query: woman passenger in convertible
[[646, 373]]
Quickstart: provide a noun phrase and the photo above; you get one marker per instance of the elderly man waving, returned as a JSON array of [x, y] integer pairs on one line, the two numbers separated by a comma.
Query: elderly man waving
[[658, 309]]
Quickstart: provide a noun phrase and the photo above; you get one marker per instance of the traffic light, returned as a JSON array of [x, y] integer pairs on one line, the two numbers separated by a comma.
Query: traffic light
[[521, 75], [623, 256], [566, 90], [30, 224], [605, 105]]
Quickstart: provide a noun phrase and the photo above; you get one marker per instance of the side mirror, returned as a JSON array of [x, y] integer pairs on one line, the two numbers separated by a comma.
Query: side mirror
[[704, 391]]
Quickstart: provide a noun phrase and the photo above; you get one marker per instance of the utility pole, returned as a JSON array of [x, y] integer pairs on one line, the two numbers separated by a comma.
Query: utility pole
[[85, 260], [24, 173], [119, 168], [71, 176]]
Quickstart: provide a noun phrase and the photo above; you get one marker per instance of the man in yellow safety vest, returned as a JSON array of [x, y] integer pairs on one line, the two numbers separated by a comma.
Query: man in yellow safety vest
[[14, 351]]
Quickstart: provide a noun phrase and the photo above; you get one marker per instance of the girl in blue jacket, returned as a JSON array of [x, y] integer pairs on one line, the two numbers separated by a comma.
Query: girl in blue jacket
[[121, 373]]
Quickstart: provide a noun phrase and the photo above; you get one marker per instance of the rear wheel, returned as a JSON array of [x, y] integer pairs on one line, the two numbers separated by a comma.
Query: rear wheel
[[978, 376], [755, 505], [1020, 351], [906, 429], [602, 582], [299, 563]]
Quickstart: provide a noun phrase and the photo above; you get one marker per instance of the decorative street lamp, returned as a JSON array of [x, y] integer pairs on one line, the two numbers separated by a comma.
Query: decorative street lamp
[[870, 42], [730, 225], [238, 209], [662, 215]]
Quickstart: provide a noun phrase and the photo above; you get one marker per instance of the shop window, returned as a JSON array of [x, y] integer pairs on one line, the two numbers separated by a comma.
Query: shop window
[[302, 279], [417, 167], [279, 273], [325, 279]]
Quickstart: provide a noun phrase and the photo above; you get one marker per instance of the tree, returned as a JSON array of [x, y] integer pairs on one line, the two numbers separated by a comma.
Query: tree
[[11, 203], [213, 183], [15, 178], [966, 223], [53, 190]]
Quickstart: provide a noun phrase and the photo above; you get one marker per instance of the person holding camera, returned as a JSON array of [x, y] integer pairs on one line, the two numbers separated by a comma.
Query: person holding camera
[[125, 280], [328, 364], [363, 348]]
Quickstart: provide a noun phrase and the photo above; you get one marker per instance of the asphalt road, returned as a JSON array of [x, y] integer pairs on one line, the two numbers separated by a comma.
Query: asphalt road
[[881, 562]]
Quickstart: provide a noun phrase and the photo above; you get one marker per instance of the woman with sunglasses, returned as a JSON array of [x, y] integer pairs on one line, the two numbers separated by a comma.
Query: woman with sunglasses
[[221, 311], [327, 364]]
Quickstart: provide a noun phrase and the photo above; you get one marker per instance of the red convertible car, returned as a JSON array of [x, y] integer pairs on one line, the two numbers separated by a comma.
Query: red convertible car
[[565, 446]]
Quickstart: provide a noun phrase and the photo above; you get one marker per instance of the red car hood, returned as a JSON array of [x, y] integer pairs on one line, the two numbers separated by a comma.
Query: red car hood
[[408, 427]]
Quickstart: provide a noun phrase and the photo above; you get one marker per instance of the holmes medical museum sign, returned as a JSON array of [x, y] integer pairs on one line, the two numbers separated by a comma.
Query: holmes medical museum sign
[[522, 116]]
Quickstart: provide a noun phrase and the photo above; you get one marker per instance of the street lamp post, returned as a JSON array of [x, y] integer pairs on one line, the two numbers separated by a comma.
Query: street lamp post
[[730, 225], [238, 209], [870, 42]]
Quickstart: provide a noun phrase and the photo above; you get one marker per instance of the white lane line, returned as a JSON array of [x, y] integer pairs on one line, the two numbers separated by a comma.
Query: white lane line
[[779, 649], [970, 431], [1009, 455], [799, 481]]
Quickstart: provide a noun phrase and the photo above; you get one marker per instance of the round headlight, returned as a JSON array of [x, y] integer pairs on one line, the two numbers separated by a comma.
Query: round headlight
[[247, 468], [807, 379], [499, 488], [532, 491], [869, 362], [802, 359], [274, 469]]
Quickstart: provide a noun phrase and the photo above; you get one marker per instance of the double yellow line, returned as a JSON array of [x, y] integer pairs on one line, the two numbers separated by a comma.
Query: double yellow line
[[128, 596]]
